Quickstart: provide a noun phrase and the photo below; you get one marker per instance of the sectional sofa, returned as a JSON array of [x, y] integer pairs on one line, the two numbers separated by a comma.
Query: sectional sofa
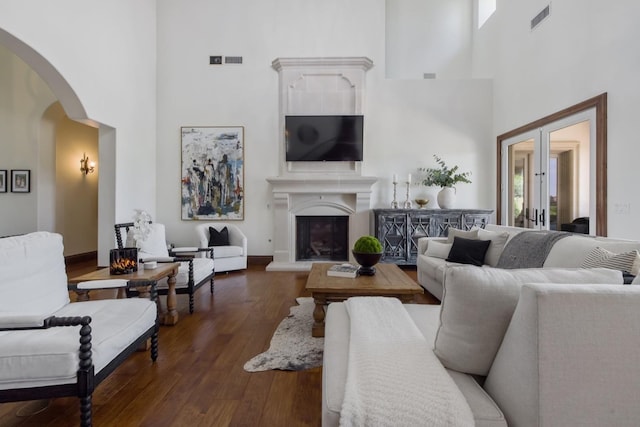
[[554, 345], [568, 252]]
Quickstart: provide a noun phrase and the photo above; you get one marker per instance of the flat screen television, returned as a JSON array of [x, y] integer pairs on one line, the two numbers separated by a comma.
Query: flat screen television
[[323, 138]]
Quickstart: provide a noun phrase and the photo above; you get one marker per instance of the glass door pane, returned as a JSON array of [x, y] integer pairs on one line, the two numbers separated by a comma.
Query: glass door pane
[[569, 178], [521, 189]]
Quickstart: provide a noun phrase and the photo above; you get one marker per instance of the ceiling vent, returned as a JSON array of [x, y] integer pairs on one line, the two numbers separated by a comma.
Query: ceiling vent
[[540, 16]]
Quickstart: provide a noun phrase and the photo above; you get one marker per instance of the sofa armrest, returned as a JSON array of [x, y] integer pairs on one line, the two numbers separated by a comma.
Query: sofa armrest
[[570, 357], [423, 243]]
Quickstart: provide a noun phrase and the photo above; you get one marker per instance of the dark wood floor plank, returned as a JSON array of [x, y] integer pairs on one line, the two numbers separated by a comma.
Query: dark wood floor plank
[[199, 377]]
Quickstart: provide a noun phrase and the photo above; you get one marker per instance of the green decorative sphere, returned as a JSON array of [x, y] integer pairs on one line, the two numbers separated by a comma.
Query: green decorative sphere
[[367, 251], [368, 245]]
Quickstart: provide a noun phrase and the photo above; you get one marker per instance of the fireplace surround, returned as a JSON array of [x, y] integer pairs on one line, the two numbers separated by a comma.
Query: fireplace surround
[[318, 86]]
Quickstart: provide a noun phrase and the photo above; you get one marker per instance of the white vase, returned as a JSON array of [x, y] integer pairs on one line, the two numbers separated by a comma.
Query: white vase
[[447, 197]]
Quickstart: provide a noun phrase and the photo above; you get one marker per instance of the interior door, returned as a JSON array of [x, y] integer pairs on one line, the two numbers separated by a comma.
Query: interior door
[[546, 175]]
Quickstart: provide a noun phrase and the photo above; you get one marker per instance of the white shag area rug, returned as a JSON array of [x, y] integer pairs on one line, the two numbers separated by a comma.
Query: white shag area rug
[[292, 347]]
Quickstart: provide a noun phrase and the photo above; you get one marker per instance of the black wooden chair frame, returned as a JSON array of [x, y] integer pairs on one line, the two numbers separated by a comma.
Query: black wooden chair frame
[[192, 286], [87, 380]]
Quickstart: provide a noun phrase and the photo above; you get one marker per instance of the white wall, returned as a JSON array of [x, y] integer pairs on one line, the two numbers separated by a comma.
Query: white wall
[[406, 122], [582, 50], [106, 54], [23, 99], [428, 36]]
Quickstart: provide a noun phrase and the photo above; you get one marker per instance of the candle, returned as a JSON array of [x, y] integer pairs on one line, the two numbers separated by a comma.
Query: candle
[[409, 178], [395, 177]]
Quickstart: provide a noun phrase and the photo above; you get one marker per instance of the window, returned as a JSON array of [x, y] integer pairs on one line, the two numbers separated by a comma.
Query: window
[[485, 10]]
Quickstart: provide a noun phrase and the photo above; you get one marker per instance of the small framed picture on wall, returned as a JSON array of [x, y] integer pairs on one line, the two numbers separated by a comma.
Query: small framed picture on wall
[[3, 180], [20, 181]]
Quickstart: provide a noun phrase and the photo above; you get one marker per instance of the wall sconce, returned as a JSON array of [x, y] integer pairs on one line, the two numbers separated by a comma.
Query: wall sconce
[[86, 167]]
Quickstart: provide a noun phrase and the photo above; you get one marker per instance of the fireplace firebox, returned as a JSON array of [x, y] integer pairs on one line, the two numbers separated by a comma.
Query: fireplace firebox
[[322, 238]]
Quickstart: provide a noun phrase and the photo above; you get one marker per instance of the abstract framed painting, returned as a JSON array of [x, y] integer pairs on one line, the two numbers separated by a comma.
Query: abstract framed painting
[[3, 180], [20, 181], [212, 175]]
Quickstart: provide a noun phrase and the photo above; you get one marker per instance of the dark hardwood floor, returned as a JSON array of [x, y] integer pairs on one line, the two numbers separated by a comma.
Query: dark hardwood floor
[[198, 379]]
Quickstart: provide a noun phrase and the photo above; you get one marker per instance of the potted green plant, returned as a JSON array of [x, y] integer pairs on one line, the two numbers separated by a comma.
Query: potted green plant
[[367, 251], [445, 178]]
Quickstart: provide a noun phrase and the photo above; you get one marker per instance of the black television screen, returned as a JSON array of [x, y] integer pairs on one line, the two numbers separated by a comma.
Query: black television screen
[[323, 138]]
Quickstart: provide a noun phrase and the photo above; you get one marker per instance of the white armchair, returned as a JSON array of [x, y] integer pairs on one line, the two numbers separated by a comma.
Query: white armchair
[[51, 347], [193, 272], [229, 255]]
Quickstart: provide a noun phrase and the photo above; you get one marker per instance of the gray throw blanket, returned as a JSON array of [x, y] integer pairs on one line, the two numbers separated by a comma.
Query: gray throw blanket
[[529, 249]]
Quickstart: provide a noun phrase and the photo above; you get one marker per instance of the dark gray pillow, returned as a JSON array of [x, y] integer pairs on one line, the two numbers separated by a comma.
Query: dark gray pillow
[[468, 251], [218, 238]]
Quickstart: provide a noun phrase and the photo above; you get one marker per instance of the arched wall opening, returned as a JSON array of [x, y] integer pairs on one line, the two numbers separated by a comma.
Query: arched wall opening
[[44, 201]]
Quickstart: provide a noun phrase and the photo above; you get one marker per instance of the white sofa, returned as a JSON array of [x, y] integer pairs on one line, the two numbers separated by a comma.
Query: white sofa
[[227, 257], [521, 354], [569, 252]]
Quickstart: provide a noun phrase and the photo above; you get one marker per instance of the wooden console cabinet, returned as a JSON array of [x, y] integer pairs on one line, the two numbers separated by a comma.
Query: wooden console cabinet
[[400, 229]]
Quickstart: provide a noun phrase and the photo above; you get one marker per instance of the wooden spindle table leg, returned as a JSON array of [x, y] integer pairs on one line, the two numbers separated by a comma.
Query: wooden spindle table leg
[[171, 316]]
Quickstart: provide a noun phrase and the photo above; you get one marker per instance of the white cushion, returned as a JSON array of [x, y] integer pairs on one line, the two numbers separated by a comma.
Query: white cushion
[[478, 303], [202, 267], [50, 356], [625, 261], [498, 241], [226, 251], [465, 234], [32, 274], [438, 249], [571, 251]]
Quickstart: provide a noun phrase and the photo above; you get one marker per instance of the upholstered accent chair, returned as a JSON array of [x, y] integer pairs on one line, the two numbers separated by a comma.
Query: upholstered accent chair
[[193, 272], [51, 347], [228, 242]]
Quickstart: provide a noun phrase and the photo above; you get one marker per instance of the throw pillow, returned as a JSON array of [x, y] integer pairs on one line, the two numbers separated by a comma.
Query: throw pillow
[[626, 261], [438, 249], [478, 304], [468, 251], [218, 238], [498, 241], [454, 232]]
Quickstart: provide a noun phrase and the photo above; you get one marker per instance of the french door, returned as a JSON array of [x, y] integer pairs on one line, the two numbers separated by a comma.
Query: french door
[[548, 175]]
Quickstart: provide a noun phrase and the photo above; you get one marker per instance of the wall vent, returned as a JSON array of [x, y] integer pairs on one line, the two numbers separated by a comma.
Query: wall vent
[[541, 16], [429, 75], [233, 59]]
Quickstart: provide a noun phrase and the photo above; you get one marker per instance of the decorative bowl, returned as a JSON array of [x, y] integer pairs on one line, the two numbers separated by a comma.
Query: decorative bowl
[[422, 202], [367, 262]]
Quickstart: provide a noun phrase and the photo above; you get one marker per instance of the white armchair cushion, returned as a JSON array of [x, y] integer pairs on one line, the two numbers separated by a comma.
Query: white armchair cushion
[[438, 249], [226, 251], [102, 284], [477, 307], [44, 289], [50, 356], [202, 267]]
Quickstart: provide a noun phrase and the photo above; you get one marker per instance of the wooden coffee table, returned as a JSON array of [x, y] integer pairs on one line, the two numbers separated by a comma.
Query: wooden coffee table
[[389, 281], [141, 277]]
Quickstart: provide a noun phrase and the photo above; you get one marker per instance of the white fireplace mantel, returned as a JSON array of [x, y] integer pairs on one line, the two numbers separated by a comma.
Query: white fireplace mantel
[[318, 86]]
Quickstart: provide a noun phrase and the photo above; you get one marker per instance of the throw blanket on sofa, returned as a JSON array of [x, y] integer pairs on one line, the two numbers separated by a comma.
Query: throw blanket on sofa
[[529, 249], [394, 378]]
